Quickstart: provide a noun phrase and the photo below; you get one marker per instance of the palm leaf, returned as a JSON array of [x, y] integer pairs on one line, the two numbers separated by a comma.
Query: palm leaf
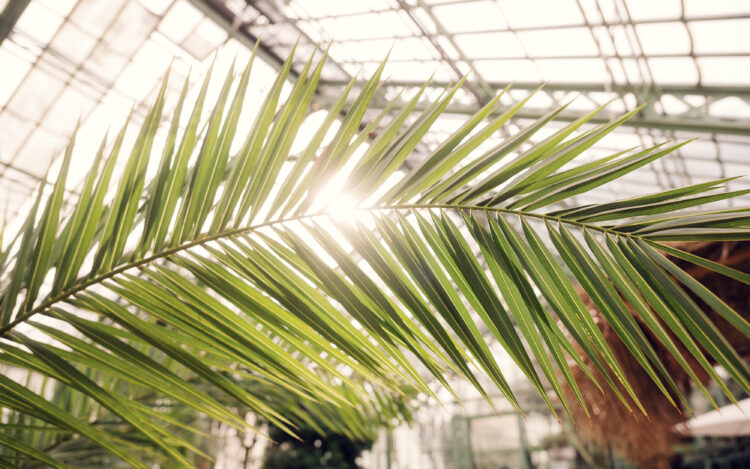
[[224, 285]]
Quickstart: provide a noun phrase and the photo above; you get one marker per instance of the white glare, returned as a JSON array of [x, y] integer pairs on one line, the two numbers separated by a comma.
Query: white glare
[[339, 205]]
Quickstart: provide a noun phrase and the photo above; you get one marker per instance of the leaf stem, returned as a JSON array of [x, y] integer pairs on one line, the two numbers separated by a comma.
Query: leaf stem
[[83, 283]]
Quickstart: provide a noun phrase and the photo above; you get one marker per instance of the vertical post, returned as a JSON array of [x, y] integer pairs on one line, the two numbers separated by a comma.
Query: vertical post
[[524, 444], [388, 447], [461, 443]]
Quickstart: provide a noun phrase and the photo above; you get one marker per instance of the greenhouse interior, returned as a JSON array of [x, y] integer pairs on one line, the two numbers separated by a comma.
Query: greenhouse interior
[[376, 234]]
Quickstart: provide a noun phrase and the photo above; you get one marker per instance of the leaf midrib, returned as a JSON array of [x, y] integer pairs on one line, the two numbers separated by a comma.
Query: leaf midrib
[[199, 241]]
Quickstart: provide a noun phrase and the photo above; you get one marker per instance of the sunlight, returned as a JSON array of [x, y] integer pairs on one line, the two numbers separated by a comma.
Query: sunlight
[[343, 207], [333, 200]]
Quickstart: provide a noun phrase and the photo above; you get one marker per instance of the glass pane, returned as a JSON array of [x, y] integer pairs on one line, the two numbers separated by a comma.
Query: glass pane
[[488, 45], [535, 13], [559, 42], [180, 20], [95, 16], [673, 105], [14, 70], [153, 58], [157, 7], [625, 70], [206, 37], [664, 38], [405, 49], [106, 63], [472, 16], [136, 82], [73, 43], [678, 70], [35, 95], [13, 132], [13, 194], [38, 151], [695, 8], [509, 70], [649, 10], [573, 71], [132, 27], [725, 71], [731, 107], [726, 36], [61, 7], [68, 108], [413, 71], [377, 25], [321, 8]]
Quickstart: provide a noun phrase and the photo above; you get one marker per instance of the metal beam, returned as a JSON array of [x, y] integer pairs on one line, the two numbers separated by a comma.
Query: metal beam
[[9, 17], [223, 17], [652, 121], [679, 90], [479, 95], [531, 28], [702, 122], [665, 55]]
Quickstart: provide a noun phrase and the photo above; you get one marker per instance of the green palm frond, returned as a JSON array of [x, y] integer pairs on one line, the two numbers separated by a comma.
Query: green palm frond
[[224, 282]]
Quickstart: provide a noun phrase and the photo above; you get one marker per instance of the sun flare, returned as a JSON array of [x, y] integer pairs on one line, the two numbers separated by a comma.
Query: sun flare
[[342, 207]]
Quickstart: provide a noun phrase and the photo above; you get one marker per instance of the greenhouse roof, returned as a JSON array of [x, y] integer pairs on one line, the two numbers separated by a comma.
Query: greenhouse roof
[[93, 61]]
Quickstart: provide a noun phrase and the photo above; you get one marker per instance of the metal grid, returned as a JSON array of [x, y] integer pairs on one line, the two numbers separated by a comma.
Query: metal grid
[[90, 62], [686, 56], [690, 59], [67, 59]]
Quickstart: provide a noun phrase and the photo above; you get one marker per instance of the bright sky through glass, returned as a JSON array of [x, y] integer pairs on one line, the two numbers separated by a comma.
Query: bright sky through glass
[[94, 60]]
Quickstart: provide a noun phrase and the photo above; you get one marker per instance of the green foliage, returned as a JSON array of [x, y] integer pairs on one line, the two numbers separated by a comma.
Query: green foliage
[[221, 283]]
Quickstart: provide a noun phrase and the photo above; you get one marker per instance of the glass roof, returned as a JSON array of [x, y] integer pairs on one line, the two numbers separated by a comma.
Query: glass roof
[[66, 60]]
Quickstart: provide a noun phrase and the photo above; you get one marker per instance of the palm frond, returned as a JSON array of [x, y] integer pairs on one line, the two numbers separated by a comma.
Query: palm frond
[[224, 282]]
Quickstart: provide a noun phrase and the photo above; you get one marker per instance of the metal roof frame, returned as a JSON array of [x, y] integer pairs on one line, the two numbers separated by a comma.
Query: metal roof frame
[[695, 119], [278, 28]]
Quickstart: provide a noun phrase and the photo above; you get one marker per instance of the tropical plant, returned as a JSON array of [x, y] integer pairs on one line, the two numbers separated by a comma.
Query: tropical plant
[[225, 279]]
